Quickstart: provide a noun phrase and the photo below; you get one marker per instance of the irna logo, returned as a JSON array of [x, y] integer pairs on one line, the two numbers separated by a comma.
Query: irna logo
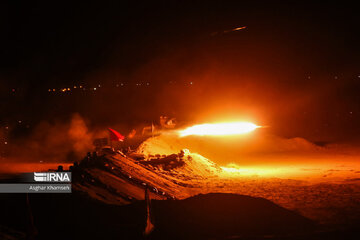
[[52, 177]]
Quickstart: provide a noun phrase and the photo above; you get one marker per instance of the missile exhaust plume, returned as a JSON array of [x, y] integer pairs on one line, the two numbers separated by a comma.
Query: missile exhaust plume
[[219, 129]]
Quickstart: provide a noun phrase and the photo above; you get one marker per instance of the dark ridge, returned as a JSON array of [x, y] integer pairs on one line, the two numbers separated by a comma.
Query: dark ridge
[[220, 214], [216, 215]]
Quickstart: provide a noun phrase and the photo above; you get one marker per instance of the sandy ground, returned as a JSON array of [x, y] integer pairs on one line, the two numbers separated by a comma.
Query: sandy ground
[[324, 189]]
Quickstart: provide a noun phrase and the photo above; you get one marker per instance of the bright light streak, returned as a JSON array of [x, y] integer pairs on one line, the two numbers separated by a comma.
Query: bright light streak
[[219, 129], [239, 28], [254, 171]]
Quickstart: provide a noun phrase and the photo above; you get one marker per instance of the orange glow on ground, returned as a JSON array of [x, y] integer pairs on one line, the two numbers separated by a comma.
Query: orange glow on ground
[[315, 170], [219, 129]]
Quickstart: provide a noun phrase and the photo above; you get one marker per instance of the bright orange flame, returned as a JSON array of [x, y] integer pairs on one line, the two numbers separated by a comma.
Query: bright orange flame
[[218, 129], [234, 171]]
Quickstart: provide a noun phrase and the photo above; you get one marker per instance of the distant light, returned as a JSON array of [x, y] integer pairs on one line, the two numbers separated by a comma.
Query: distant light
[[54, 90], [75, 87], [191, 83], [49, 90], [19, 121], [148, 84], [117, 85], [94, 88], [68, 89], [122, 84], [99, 85], [238, 28], [81, 86], [5, 143]]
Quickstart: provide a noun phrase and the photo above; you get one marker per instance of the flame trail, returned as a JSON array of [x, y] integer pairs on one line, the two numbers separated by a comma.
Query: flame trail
[[218, 129], [228, 31], [235, 29]]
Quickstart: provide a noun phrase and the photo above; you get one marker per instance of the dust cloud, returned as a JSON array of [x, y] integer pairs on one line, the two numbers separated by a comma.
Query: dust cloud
[[54, 142]]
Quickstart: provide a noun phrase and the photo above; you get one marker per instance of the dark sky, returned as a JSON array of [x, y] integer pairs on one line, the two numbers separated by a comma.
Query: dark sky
[[63, 41], [297, 52]]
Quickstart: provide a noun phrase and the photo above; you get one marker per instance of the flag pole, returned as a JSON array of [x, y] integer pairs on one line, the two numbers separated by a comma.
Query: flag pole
[[149, 226]]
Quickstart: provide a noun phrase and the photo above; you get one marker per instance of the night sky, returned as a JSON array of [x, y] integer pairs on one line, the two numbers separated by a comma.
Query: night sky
[[294, 68]]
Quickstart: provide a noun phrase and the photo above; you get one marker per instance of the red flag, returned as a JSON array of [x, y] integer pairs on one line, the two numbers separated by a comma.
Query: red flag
[[115, 136]]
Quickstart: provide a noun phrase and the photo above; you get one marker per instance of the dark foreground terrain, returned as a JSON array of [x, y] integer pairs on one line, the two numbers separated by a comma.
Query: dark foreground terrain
[[107, 203], [210, 216]]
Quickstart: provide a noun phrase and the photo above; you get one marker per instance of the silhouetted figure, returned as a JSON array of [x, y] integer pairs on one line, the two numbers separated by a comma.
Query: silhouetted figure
[[75, 171], [88, 157], [60, 168], [85, 162]]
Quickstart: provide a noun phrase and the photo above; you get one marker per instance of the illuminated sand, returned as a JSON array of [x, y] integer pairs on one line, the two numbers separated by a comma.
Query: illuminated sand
[[265, 156], [121, 180], [321, 184]]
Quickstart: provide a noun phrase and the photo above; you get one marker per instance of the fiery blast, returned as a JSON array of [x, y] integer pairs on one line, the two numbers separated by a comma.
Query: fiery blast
[[219, 129], [239, 153]]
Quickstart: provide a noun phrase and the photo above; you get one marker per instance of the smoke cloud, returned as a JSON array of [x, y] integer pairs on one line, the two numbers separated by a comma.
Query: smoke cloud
[[54, 142]]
